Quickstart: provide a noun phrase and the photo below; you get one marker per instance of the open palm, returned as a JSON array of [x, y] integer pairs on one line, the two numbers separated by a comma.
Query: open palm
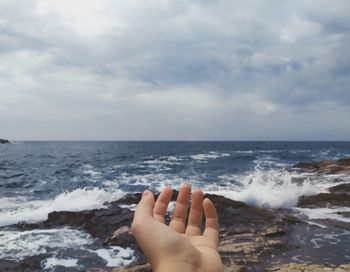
[[178, 247]]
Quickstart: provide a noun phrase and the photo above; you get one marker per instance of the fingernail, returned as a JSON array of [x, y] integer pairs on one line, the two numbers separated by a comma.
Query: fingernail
[[145, 193], [186, 184]]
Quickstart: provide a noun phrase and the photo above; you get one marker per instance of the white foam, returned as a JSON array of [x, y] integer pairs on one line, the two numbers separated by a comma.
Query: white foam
[[14, 210], [207, 156], [325, 213], [116, 256], [272, 188], [244, 151], [89, 170], [162, 160], [52, 262], [154, 181], [91, 173], [326, 239], [174, 158], [316, 224], [131, 207], [15, 245]]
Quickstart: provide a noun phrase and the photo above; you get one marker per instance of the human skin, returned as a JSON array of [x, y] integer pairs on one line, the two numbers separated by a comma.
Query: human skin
[[178, 247]]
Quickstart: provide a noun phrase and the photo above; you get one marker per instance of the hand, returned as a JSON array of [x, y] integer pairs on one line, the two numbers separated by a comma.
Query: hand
[[178, 247]]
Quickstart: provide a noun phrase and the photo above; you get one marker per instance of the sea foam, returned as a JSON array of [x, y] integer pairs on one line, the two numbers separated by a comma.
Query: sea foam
[[50, 263], [14, 210], [269, 188], [15, 245], [115, 256]]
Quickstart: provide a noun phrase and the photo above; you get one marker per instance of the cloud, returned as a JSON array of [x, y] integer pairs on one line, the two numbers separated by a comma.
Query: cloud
[[174, 69]]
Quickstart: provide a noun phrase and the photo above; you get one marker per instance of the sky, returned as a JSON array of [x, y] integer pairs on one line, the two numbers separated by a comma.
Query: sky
[[175, 70]]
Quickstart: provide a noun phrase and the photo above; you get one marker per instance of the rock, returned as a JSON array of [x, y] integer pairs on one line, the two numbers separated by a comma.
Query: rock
[[3, 141], [9, 265], [338, 195], [137, 268], [117, 234], [341, 188], [28, 264], [324, 200], [344, 214], [249, 236], [341, 166], [294, 267], [99, 223]]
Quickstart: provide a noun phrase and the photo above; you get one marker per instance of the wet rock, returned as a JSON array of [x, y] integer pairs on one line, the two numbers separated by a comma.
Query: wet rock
[[117, 235], [338, 195], [294, 267], [3, 141], [28, 264], [248, 233], [33, 261], [136, 268], [99, 223], [249, 236], [341, 188], [9, 265], [324, 200], [344, 214], [341, 166]]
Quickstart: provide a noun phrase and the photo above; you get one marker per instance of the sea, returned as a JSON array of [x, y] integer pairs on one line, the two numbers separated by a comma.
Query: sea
[[39, 177]]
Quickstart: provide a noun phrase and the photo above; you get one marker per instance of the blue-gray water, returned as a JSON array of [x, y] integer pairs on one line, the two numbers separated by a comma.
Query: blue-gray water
[[42, 170], [40, 177]]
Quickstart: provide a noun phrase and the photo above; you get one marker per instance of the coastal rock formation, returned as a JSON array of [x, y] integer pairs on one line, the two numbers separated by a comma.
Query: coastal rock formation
[[294, 267], [3, 141], [338, 196], [31, 263], [248, 235], [325, 200], [341, 166], [251, 238]]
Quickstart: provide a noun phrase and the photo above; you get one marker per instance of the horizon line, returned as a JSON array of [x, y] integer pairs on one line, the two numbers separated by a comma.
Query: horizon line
[[158, 140]]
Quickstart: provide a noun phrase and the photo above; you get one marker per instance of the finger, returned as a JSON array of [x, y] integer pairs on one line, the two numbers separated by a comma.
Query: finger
[[180, 212], [144, 209], [144, 227], [211, 222], [196, 213], [162, 203]]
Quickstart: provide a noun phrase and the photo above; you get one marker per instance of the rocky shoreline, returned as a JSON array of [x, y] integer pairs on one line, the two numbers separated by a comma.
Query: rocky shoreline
[[3, 141], [251, 238]]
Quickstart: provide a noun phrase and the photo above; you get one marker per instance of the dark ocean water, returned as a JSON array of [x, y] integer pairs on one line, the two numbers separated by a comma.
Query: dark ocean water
[[42, 170], [39, 177]]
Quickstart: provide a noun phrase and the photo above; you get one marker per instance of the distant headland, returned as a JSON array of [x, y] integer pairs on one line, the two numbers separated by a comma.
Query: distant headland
[[3, 141]]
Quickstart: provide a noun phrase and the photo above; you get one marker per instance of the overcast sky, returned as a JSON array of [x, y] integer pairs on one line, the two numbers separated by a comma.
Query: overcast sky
[[174, 70]]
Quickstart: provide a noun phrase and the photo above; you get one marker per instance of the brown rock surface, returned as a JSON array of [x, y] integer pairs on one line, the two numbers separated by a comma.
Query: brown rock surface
[[250, 237], [341, 166], [294, 267], [324, 200]]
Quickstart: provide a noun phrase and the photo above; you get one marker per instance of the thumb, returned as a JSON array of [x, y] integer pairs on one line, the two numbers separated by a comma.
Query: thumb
[[144, 209]]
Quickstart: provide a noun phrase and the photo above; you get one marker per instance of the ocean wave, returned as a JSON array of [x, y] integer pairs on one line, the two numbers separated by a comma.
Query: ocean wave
[[14, 210], [269, 188], [89, 170], [15, 245], [208, 156]]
